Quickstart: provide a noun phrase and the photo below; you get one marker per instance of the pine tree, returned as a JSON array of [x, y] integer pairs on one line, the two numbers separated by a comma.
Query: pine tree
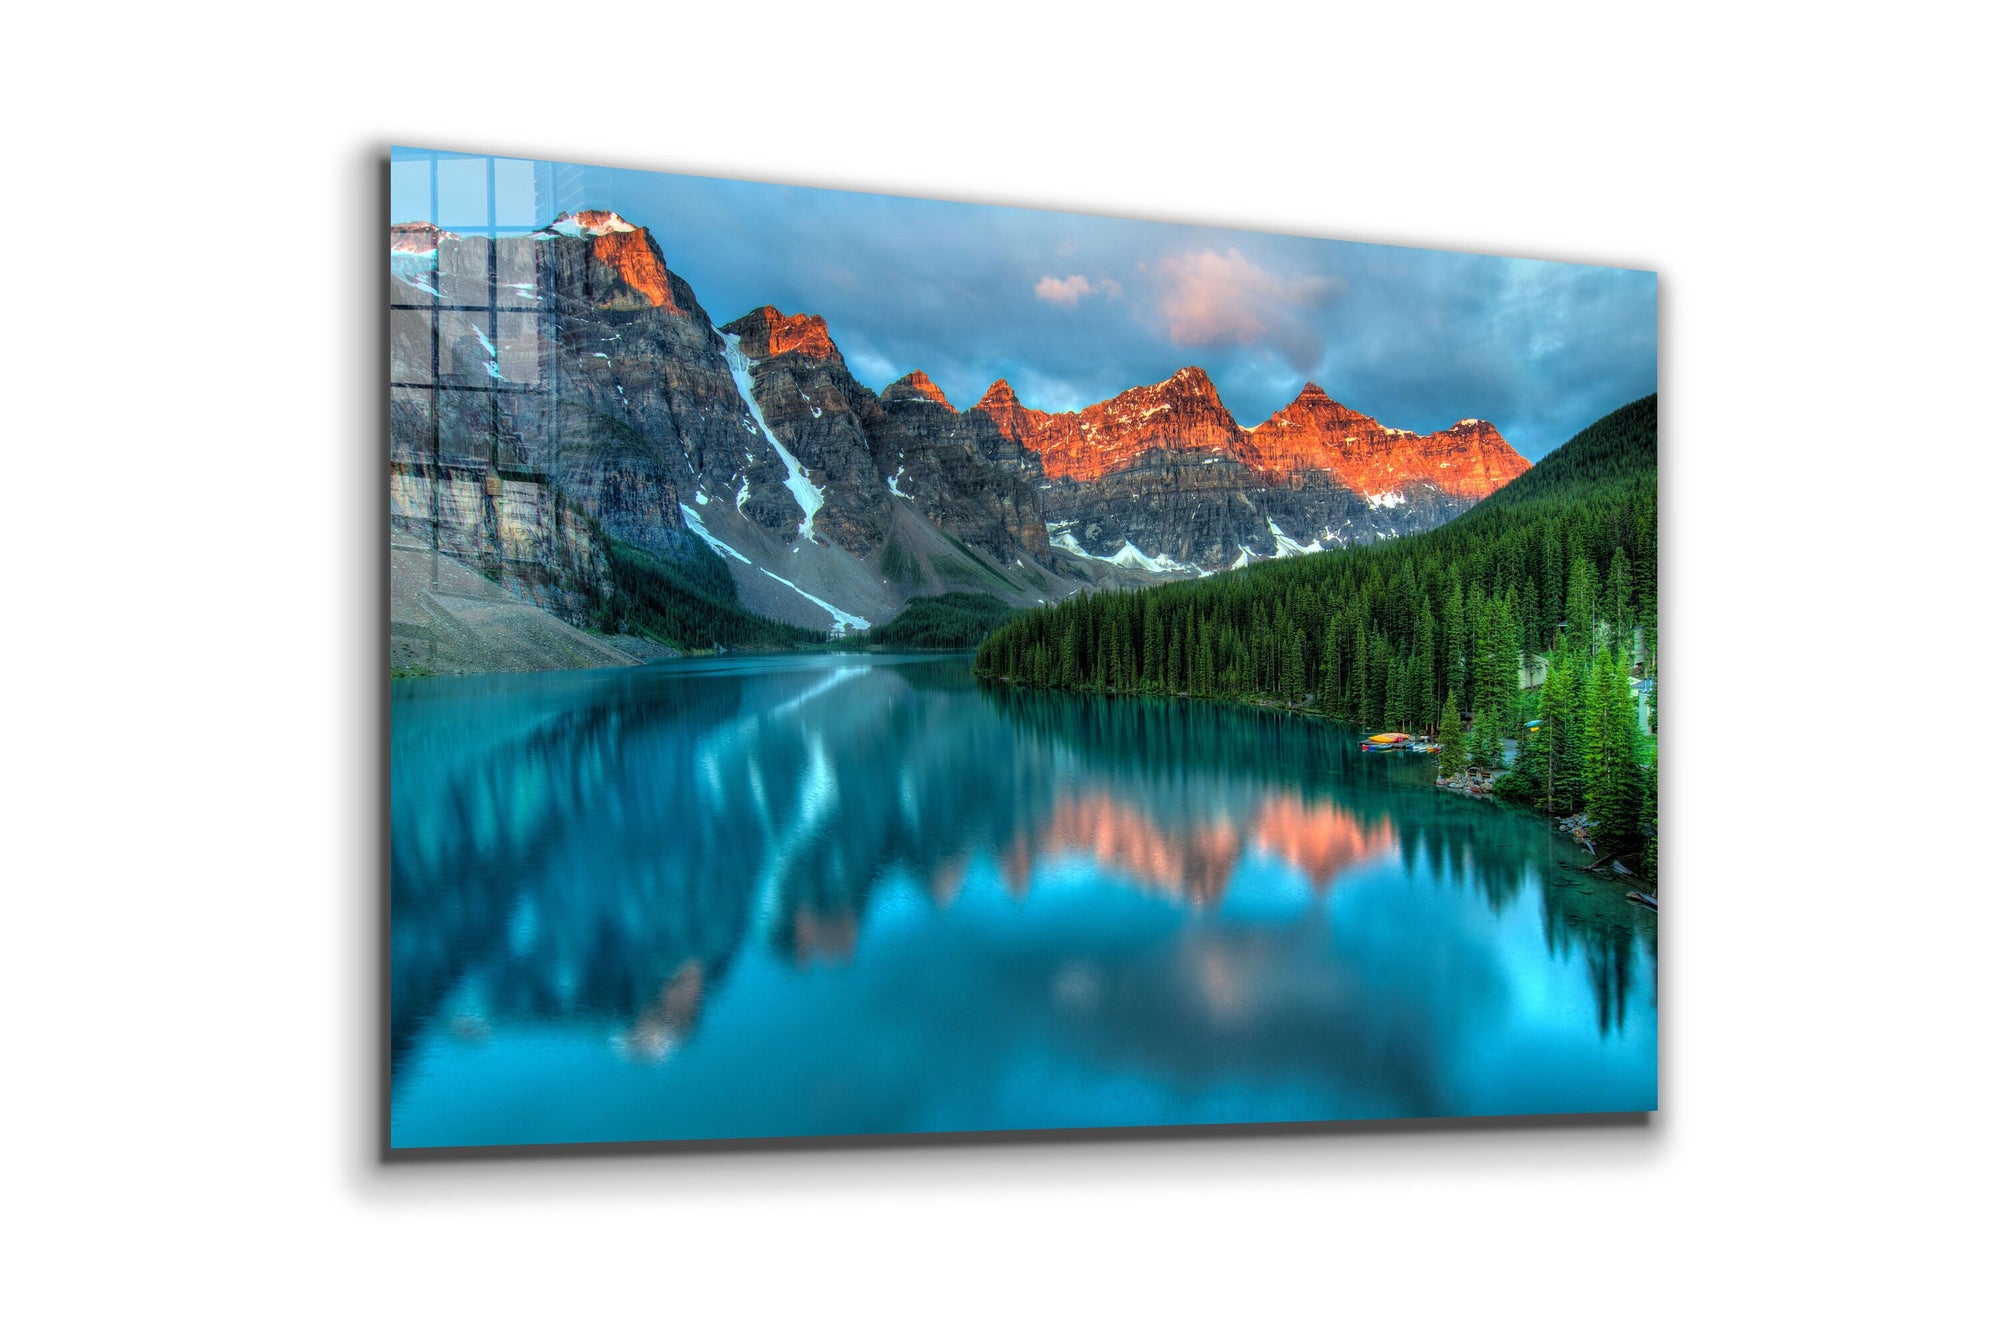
[[1532, 763], [1451, 739], [1503, 666], [1329, 668], [1552, 585], [1454, 640], [1611, 762], [1561, 733], [1357, 678], [1423, 692], [1618, 600], [1486, 750], [1151, 667], [1649, 818], [1581, 602]]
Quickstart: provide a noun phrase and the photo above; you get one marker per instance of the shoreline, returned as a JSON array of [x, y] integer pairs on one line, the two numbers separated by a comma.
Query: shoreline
[[1457, 785], [397, 673]]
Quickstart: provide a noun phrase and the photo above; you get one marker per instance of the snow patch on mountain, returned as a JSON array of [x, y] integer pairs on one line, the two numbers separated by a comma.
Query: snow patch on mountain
[[797, 480], [1286, 546], [413, 268], [842, 621], [1127, 556], [716, 544]]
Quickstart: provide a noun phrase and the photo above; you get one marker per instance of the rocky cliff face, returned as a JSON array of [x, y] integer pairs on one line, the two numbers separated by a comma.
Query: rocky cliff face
[[867, 452], [939, 460], [563, 389], [822, 414]]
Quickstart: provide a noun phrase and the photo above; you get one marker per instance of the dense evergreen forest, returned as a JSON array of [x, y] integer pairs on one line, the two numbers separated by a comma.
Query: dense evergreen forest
[[1550, 579], [933, 624], [684, 599]]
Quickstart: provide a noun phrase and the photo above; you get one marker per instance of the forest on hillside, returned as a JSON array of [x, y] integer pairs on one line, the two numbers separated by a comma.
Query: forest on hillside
[[1435, 633], [948, 623], [682, 598]]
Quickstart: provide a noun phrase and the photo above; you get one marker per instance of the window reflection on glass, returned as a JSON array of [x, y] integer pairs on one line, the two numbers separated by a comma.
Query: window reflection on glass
[[463, 271], [468, 336], [463, 190]]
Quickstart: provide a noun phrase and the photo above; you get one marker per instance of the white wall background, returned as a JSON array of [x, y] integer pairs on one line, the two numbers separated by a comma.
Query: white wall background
[[194, 792]]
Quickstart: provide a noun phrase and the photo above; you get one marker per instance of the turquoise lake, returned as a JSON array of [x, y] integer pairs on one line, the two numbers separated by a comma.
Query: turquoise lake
[[746, 897]]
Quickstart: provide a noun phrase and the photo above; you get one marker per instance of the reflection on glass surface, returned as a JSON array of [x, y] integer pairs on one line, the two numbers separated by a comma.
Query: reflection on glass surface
[[834, 894]]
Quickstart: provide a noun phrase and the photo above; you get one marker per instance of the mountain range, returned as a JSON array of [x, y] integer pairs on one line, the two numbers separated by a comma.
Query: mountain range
[[568, 420]]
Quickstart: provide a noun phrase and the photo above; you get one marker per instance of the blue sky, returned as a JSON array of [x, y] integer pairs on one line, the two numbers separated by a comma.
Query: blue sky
[[1072, 308]]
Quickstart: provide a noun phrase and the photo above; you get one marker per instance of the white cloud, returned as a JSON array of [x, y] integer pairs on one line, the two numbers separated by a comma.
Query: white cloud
[[1210, 298], [1068, 291]]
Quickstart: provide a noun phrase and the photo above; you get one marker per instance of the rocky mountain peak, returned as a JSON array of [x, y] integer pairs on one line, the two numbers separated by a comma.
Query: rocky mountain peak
[[1316, 434], [999, 396], [1190, 382], [1314, 410], [916, 384], [637, 276], [417, 237], [1014, 422], [1181, 414], [767, 332]]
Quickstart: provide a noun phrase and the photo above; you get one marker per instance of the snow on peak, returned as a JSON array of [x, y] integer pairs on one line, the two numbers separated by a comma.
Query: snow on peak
[[1188, 378], [589, 222], [418, 238]]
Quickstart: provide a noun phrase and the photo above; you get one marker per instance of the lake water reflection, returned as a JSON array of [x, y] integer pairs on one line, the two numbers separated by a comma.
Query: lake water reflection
[[746, 897]]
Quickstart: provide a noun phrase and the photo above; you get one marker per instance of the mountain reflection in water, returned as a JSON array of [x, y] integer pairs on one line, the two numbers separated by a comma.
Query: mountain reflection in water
[[834, 894]]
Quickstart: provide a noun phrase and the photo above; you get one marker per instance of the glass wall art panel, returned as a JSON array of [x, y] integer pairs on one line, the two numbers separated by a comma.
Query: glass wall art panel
[[880, 666]]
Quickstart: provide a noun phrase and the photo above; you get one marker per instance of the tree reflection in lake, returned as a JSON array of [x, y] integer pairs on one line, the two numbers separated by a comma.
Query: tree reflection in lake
[[844, 894]]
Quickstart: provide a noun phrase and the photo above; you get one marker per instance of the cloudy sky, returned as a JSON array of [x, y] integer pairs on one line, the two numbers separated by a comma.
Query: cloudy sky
[[1071, 309]]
